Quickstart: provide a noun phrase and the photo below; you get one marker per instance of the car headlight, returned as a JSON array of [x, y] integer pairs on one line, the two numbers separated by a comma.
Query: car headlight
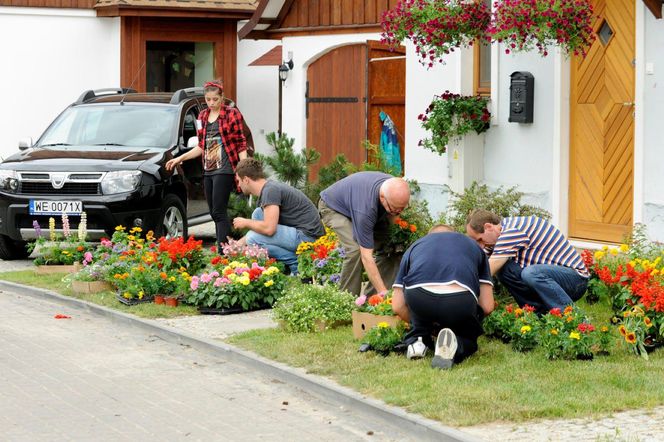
[[8, 181], [120, 182]]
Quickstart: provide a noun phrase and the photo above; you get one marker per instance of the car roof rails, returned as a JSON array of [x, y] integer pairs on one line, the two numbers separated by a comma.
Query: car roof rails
[[183, 94], [90, 94]]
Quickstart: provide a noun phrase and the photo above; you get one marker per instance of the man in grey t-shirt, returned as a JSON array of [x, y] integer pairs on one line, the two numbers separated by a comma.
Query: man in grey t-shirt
[[358, 208], [284, 218]]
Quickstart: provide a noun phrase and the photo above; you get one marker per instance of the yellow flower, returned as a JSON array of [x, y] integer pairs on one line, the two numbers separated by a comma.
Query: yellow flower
[[126, 295], [383, 325], [150, 235], [554, 331], [622, 330], [244, 280], [574, 335], [613, 251], [65, 252], [525, 329], [268, 283], [605, 248], [136, 230], [647, 322], [119, 228], [131, 237], [630, 338], [140, 294], [604, 329], [599, 255], [624, 248]]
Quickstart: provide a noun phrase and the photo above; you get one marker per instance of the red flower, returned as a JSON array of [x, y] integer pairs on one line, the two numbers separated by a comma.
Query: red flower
[[375, 300], [555, 312]]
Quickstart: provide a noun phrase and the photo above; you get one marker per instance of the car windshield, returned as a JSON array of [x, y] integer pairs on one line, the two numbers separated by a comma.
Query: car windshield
[[115, 125]]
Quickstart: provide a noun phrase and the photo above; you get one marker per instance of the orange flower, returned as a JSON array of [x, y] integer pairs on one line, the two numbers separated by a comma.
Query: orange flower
[[375, 299], [518, 312], [568, 310], [163, 275], [622, 330], [80, 248], [630, 338], [413, 228]]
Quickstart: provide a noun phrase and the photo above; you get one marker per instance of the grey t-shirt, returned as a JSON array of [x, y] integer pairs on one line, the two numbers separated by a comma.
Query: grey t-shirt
[[295, 209], [357, 197]]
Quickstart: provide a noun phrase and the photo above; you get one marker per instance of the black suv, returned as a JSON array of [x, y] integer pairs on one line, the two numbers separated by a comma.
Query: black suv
[[105, 156]]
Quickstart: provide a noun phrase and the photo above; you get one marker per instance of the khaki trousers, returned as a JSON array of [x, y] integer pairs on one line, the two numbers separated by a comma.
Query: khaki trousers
[[352, 269]]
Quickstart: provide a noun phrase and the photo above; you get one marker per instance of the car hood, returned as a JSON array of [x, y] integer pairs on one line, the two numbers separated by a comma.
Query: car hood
[[79, 158]]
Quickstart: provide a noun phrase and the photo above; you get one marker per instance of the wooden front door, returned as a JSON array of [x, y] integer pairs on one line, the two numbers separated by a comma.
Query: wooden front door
[[336, 105], [387, 91], [602, 127]]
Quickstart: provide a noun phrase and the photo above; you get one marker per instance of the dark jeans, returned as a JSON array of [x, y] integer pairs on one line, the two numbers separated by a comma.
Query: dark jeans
[[543, 286], [218, 189], [457, 311]]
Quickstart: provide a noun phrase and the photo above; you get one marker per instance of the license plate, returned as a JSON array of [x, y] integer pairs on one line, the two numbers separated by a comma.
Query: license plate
[[46, 207]]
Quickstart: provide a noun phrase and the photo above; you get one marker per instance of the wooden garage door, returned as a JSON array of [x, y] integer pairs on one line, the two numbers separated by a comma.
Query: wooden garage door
[[602, 127], [336, 105]]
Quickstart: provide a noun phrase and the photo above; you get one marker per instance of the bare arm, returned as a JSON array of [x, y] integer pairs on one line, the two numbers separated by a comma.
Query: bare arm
[[369, 264], [267, 226], [486, 301], [495, 264], [193, 153], [399, 304]]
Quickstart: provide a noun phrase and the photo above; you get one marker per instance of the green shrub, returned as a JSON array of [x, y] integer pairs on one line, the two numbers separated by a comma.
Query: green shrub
[[289, 166], [502, 202], [306, 304]]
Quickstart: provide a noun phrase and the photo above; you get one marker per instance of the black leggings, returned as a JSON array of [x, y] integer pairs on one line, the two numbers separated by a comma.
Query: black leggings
[[218, 189], [458, 311]]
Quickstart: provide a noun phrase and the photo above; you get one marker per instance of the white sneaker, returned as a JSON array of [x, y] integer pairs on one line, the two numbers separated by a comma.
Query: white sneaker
[[446, 346], [417, 349]]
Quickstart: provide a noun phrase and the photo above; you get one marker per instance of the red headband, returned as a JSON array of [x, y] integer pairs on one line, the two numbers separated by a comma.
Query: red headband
[[213, 84]]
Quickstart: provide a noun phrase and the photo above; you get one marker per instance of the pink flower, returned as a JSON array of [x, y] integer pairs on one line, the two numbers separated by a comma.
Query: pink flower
[[218, 282], [194, 283], [87, 257], [205, 278], [360, 300]]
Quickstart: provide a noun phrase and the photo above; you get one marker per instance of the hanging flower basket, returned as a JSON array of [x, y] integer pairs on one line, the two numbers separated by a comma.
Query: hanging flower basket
[[451, 116], [436, 27], [524, 25]]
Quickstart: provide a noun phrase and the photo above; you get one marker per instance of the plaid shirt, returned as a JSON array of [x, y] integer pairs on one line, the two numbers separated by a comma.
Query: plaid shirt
[[230, 129]]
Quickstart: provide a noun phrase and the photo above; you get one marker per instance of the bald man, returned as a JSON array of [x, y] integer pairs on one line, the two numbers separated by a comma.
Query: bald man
[[359, 208]]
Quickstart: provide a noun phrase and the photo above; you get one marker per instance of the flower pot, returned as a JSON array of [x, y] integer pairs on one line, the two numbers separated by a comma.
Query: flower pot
[[90, 286], [171, 301], [57, 268], [363, 322], [158, 299]]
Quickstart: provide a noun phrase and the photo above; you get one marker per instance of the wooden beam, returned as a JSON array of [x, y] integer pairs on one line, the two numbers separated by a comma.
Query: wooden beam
[[655, 7]]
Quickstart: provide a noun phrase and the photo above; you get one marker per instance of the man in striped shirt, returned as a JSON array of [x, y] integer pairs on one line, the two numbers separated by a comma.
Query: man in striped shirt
[[531, 257]]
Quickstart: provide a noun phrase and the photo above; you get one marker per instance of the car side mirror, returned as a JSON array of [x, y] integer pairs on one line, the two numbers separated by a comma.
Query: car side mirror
[[192, 142], [25, 143]]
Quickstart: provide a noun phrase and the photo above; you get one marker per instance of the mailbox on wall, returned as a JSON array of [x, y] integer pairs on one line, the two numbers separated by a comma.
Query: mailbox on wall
[[522, 92]]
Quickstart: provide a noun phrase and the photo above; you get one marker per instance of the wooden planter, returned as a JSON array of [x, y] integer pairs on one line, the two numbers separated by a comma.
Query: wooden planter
[[57, 268], [90, 286], [363, 322]]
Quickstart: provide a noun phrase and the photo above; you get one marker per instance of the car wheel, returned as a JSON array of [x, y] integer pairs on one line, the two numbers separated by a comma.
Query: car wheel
[[10, 249], [172, 220]]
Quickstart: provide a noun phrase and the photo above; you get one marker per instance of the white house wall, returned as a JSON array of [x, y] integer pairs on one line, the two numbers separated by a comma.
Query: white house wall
[[258, 91], [518, 154], [653, 124], [51, 56]]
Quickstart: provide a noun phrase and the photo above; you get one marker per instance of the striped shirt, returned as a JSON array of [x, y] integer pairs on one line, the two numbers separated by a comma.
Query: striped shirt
[[532, 240]]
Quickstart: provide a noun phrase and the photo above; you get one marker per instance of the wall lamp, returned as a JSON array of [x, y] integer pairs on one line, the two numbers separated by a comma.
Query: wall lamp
[[284, 68]]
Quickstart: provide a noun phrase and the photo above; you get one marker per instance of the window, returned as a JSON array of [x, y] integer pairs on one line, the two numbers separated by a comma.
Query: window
[[482, 64], [172, 65]]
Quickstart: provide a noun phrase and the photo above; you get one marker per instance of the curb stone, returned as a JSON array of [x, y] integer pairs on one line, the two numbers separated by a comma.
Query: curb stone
[[420, 427]]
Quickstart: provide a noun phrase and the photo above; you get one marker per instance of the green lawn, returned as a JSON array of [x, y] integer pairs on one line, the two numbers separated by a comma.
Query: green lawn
[[57, 283], [496, 384]]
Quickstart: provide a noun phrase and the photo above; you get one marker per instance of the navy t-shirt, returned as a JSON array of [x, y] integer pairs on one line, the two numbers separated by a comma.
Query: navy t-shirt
[[444, 258], [357, 197]]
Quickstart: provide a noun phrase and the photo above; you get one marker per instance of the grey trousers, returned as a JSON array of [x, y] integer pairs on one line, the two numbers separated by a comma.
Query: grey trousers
[[352, 269]]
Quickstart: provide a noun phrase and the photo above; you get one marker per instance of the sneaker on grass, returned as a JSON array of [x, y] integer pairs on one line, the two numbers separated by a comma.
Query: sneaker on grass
[[446, 346], [416, 350]]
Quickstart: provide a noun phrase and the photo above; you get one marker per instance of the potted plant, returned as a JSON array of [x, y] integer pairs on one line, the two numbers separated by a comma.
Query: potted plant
[[313, 307], [383, 337], [372, 310], [526, 25], [321, 261], [436, 27], [90, 279], [451, 116]]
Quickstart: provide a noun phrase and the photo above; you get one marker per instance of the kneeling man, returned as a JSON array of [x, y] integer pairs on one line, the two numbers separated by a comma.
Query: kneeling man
[[444, 280], [284, 218]]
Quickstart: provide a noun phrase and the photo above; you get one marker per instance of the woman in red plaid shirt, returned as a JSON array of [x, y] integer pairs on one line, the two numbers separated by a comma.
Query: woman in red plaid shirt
[[222, 145]]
